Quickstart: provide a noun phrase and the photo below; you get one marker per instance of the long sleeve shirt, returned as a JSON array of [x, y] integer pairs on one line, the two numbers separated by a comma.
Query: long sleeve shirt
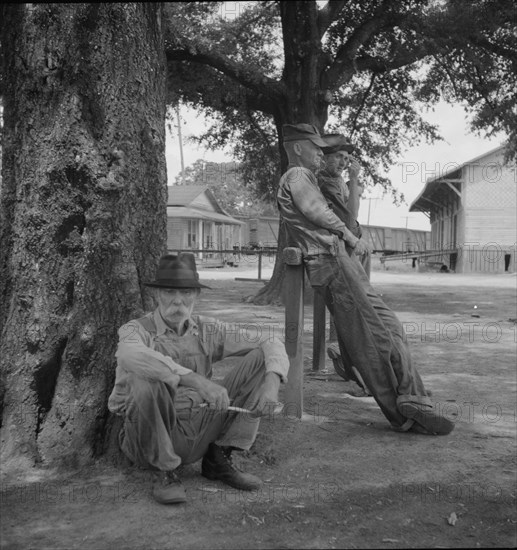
[[311, 225], [148, 348], [337, 194]]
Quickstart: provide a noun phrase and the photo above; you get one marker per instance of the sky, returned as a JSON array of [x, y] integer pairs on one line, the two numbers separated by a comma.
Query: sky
[[408, 176]]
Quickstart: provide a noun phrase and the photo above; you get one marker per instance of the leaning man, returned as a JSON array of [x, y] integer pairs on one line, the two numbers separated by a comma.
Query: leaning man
[[371, 336], [173, 412]]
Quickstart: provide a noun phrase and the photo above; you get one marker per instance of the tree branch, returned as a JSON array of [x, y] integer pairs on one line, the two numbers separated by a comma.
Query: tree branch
[[449, 75], [250, 79], [260, 131], [363, 103], [344, 61], [481, 42], [407, 57], [329, 14]]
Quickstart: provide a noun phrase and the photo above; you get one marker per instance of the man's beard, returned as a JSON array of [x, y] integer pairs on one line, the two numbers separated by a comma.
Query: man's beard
[[321, 167]]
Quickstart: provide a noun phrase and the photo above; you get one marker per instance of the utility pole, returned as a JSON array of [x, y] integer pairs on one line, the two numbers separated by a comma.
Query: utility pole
[[178, 118], [370, 199], [407, 233]]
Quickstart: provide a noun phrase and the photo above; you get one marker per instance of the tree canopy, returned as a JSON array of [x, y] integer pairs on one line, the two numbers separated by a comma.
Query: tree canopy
[[367, 68]]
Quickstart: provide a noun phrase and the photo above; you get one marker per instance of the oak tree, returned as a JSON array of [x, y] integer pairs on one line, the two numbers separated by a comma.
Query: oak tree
[[83, 218], [367, 68]]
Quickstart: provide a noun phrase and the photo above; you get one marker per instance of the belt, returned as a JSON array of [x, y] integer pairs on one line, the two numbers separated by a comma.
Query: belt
[[316, 256]]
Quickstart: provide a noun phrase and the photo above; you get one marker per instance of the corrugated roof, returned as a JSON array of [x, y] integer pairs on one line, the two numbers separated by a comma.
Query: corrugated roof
[[185, 195], [182, 195], [432, 184], [190, 212]]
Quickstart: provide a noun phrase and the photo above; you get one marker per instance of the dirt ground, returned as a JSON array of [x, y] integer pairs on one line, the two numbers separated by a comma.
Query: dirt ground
[[339, 477]]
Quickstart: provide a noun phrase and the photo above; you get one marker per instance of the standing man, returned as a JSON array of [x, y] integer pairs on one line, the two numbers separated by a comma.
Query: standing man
[[173, 412], [369, 334], [343, 199]]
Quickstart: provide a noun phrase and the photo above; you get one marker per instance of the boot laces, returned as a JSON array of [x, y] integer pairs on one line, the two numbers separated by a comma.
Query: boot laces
[[227, 455], [172, 477]]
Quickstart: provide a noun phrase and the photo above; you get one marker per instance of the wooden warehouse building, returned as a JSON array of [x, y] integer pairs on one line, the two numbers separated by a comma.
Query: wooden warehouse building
[[472, 208]]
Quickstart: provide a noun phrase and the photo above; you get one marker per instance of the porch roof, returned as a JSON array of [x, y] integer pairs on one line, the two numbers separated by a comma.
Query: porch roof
[[446, 182], [192, 213]]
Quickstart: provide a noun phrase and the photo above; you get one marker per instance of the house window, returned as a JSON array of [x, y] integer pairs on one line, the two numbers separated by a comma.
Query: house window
[[192, 234]]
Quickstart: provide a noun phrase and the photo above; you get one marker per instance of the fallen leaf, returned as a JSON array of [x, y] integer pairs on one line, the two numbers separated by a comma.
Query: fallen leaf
[[390, 540], [453, 518]]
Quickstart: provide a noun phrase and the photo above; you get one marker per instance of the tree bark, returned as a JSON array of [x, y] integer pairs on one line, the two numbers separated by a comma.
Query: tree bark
[[303, 102], [83, 219]]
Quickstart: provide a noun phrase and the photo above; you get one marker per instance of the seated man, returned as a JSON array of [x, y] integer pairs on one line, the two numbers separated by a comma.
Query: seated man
[[369, 334], [173, 413]]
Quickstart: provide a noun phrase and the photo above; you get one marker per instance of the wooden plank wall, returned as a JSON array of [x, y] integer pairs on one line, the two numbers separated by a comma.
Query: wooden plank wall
[[176, 233], [489, 259]]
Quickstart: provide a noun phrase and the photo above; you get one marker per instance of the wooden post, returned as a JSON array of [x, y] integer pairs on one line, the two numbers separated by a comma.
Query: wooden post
[[294, 330], [318, 334], [260, 263]]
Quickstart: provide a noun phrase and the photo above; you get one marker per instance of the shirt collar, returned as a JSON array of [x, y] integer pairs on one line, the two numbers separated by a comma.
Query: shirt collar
[[325, 175], [162, 328]]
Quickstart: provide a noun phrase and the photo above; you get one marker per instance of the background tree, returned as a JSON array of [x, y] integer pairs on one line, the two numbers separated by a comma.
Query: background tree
[[83, 218], [371, 64], [226, 181]]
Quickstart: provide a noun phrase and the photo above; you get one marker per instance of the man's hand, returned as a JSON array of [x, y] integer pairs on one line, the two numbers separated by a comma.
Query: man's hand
[[353, 168], [267, 396], [215, 395], [361, 248]]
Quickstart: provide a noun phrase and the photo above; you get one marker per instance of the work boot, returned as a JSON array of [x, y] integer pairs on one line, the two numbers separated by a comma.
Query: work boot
[[168, 489], [427, 420], [346, 372], [217, 464], [339, 367]]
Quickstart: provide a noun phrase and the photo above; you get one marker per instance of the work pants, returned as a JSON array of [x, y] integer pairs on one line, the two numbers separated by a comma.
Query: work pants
[[370, 336], [165, 427]]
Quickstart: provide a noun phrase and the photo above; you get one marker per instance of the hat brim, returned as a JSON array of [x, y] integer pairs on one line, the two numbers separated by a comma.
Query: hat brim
[[175, 284], [315, 139], [349, 148], [318, 141]]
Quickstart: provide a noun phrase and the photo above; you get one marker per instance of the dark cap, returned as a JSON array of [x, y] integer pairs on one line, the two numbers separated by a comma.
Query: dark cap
[[335, 143], [297, 132], [177, 272]]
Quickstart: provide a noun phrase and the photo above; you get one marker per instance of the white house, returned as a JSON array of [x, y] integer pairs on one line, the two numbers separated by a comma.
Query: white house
[[196, 221]]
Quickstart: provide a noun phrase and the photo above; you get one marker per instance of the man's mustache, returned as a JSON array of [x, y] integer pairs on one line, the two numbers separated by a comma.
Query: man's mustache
[[180, 309]]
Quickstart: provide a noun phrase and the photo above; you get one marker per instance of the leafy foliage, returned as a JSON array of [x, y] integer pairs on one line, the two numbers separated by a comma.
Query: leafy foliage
[[367, 68], [226, 182]]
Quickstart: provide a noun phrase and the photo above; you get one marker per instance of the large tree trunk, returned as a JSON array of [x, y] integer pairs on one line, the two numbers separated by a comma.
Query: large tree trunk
[[83, 218], [304, 103]]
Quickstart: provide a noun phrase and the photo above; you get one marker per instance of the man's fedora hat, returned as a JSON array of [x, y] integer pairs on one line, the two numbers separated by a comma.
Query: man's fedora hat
[[335, 143], [177, 272], [298, 132]]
